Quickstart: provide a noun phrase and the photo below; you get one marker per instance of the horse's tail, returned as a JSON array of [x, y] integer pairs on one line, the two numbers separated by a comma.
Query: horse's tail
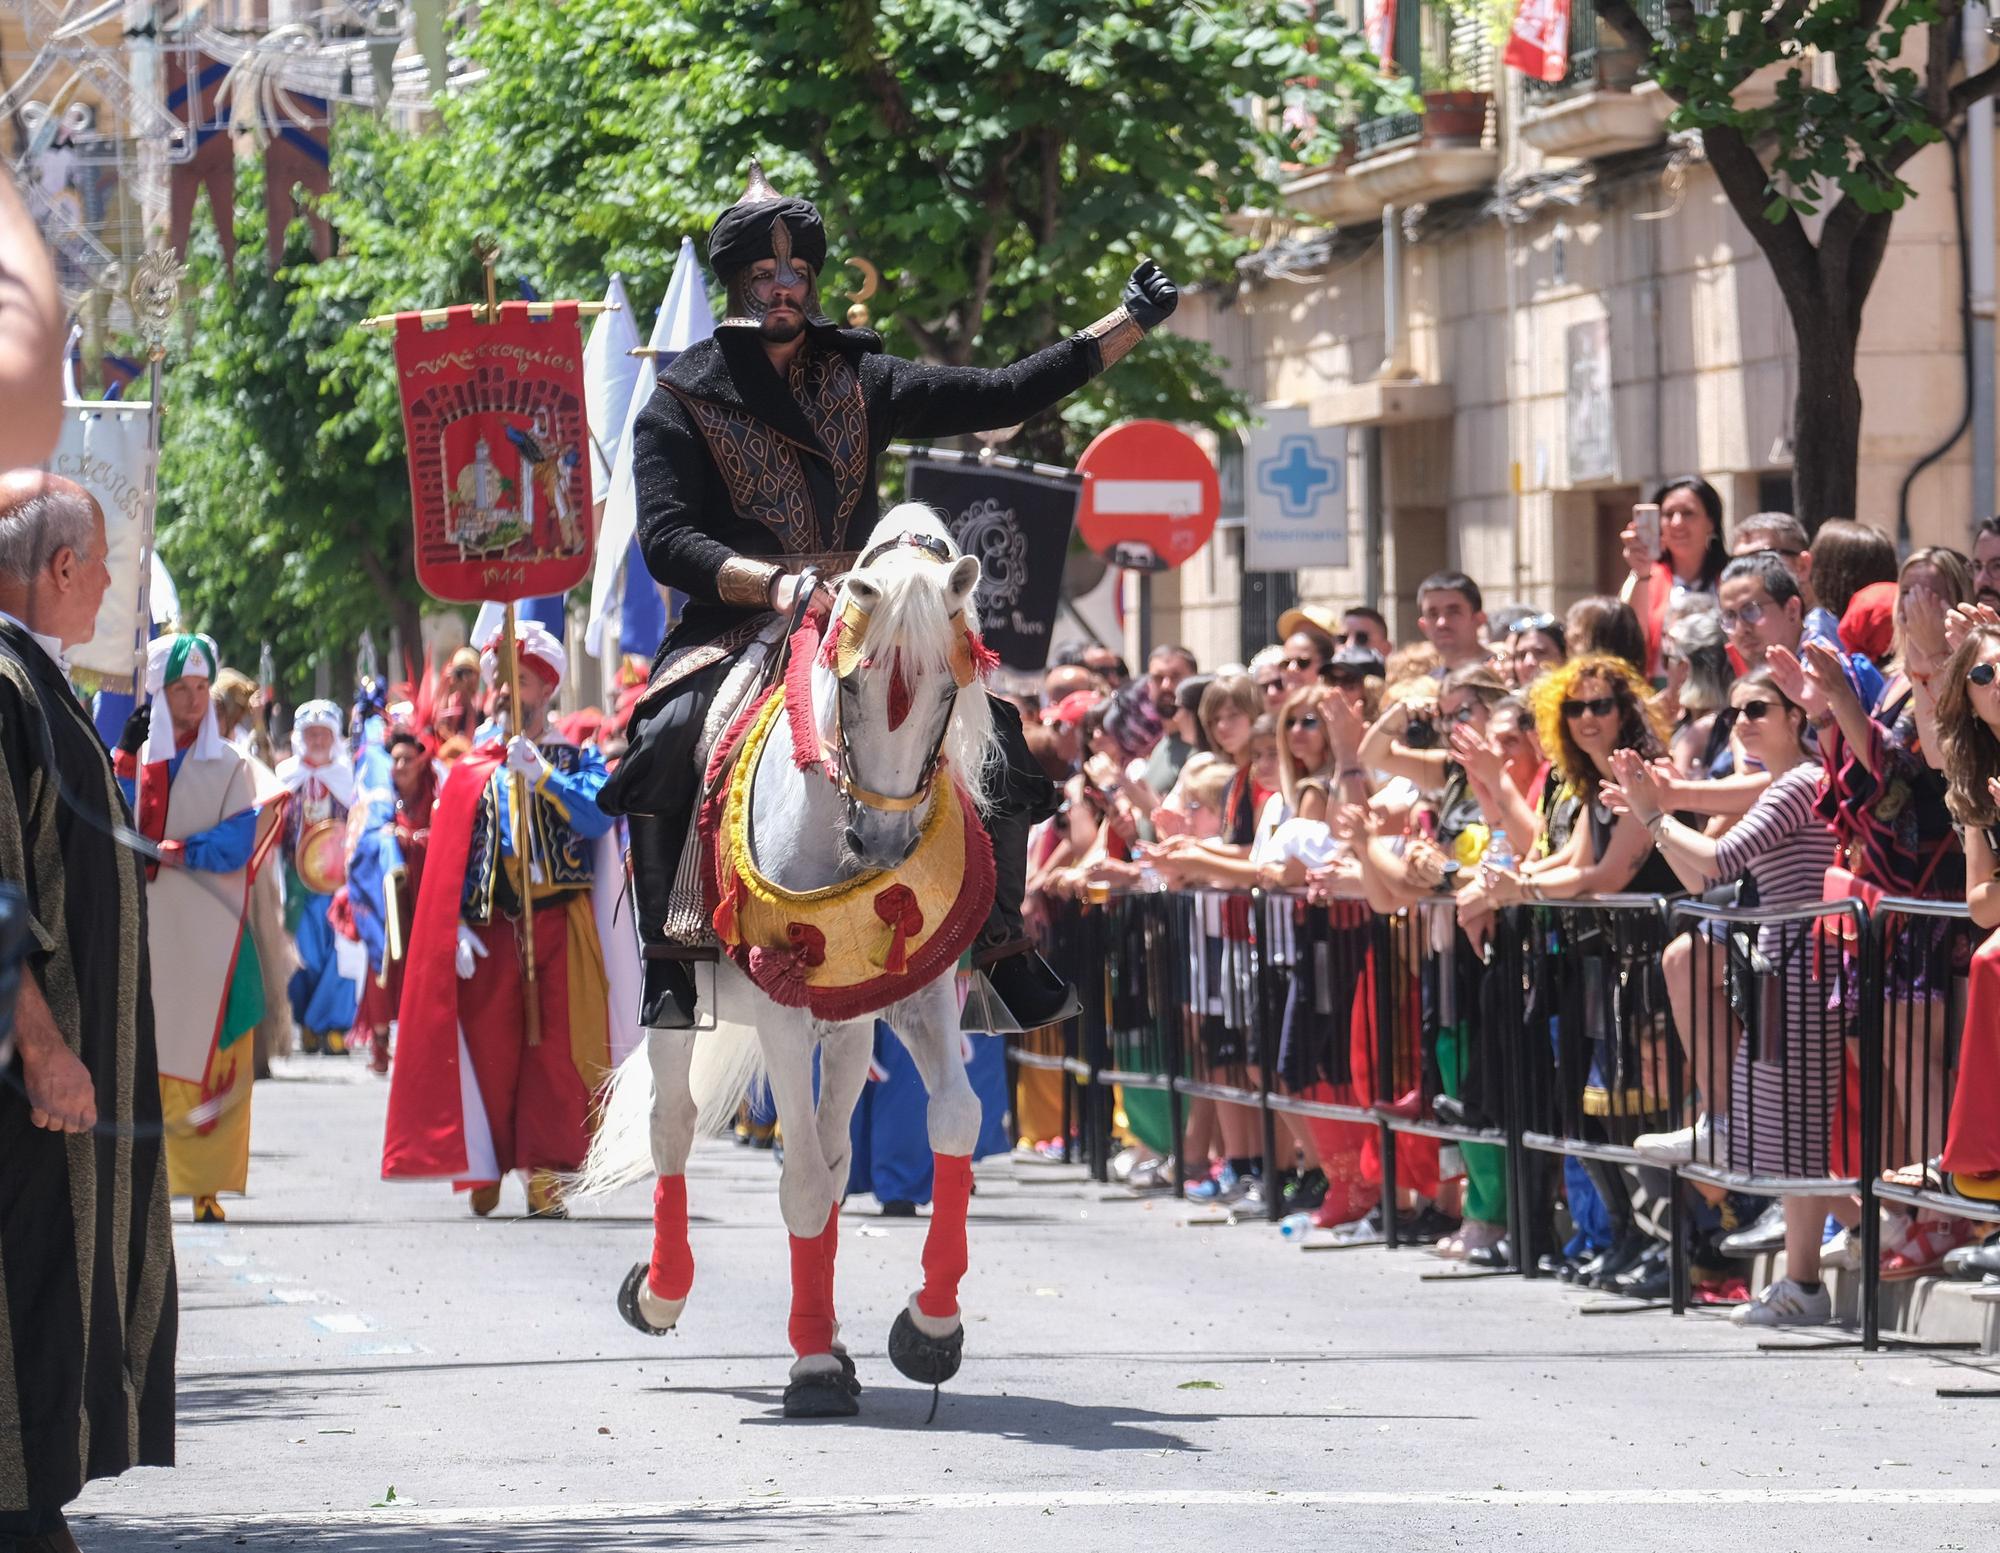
[[621, 1149], [728, 1064]]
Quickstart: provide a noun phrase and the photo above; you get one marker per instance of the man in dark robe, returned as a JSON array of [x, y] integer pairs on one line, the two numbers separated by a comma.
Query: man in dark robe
[[87, 1294], [755, 458]]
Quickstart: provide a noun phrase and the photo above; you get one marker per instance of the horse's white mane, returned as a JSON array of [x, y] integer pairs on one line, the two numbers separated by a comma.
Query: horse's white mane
[[913, 615]]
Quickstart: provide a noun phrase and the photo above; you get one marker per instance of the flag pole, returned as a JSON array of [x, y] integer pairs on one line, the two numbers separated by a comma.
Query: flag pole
[[488, 251]]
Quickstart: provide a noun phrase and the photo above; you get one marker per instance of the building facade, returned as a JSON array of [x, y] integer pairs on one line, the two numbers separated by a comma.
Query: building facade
[[1528, 305]]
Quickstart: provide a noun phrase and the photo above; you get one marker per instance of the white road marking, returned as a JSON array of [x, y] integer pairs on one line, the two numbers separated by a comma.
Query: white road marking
[[343, 1322], [1102, 1499]]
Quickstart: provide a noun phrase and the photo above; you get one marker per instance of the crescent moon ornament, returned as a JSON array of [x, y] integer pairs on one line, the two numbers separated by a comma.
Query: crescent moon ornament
[[871, 280]]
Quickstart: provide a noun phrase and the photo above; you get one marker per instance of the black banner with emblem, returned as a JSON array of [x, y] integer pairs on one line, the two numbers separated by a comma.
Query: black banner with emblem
[[1018, 524]]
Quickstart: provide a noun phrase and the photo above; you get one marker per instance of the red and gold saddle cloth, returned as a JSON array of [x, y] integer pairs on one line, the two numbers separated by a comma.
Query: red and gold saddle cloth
[[854, 948]]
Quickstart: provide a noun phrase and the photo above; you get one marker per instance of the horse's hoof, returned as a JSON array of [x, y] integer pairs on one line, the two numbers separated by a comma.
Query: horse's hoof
[[848, 1378], [632, 1292], [821, 1396], [929, 1361]]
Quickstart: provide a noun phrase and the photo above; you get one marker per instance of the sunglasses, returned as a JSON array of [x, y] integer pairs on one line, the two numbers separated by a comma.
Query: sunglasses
[[1303, 722], [1301, 663], [1981, 674], [1749, 615], [1596, 706], [1755, 711], [1532, 623]]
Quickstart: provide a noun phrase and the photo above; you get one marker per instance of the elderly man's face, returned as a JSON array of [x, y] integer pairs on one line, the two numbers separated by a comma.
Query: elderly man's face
[[318, 744]]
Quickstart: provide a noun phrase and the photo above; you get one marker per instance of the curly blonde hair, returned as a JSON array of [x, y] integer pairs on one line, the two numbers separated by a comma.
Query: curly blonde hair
[[1638, 720]]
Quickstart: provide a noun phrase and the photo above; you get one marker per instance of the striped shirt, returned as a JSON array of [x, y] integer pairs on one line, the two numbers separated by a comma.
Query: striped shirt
[[1781, 843]]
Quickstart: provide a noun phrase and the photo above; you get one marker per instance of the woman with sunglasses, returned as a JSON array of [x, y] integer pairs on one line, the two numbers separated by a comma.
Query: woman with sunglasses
[[1968, 716], [1787, 1080], [1587, 711]]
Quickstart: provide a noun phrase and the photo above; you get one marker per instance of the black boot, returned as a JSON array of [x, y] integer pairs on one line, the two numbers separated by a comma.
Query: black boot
[[656, 787]]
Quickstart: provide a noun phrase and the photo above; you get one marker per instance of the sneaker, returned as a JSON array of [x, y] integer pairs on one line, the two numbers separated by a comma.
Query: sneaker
[[1306, 1192], [1125, 1161], [1151, 1175], [1211, 1189], [1682, 1146], [1842, 1253], [1249, 1199], [1785, 1304]]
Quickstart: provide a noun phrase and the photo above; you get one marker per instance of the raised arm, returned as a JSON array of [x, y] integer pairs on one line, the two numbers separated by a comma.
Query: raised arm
[[927, 400]]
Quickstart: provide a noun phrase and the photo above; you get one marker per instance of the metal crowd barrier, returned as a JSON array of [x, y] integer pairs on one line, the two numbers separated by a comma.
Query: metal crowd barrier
[[1834, 1032]]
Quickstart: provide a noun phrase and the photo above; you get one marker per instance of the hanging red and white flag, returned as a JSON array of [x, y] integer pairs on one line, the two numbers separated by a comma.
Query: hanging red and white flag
[[1538, 47], [1378, 25]]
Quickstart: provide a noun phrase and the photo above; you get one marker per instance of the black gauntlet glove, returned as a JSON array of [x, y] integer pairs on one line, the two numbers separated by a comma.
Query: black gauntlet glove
[[133, 739], [1150, 297]]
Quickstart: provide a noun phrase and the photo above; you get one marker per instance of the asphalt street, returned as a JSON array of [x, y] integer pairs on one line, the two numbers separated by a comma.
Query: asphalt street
[[367, 1367]]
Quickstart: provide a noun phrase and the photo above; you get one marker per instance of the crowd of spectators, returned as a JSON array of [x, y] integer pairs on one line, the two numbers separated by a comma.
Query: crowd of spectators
[[1760, 718]]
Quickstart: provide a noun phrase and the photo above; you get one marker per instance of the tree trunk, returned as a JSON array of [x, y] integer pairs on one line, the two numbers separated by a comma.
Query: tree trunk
[[1826, 419]]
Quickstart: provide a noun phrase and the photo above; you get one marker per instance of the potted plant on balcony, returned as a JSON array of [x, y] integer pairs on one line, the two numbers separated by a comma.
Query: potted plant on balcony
[[1454, 106]]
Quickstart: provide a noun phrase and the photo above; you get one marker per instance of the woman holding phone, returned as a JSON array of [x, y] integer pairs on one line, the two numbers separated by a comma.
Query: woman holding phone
[[1673, 546]]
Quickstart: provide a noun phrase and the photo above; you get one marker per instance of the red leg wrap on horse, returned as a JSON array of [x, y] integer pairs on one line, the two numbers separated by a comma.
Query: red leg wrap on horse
[[944, 1246], [811, 1326], [671, 1273]]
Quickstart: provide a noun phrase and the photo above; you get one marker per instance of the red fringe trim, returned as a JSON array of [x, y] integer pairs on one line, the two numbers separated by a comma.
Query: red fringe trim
[[798, 694]]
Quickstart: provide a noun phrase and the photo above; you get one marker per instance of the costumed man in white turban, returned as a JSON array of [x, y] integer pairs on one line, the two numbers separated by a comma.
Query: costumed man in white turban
[[320, 778], [213, 821], [473, 1095]]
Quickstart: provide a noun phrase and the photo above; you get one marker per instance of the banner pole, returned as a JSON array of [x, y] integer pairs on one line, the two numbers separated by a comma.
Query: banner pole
[[154, 295], [488, 250]]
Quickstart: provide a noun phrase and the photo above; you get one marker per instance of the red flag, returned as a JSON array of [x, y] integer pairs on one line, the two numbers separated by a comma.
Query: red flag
[[1538, 47], [499, 475]]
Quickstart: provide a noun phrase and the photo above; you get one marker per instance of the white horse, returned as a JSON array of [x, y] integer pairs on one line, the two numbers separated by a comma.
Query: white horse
[[897, 713]]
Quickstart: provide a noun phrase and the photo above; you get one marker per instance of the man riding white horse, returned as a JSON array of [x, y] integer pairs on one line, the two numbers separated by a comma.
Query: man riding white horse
[[755, 459]]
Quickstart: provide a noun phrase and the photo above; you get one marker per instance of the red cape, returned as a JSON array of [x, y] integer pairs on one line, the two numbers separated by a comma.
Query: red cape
[[425, 1136]]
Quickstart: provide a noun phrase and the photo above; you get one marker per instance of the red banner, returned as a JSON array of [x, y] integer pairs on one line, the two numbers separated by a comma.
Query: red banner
[[499, 452], [1538, 47]]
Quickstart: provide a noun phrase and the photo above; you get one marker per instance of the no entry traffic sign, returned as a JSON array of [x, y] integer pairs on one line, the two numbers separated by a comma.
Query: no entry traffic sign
[[1150, 496]]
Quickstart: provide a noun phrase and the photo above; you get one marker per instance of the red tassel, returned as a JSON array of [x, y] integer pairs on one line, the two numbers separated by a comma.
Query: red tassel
[[984, 659], [897, 906]]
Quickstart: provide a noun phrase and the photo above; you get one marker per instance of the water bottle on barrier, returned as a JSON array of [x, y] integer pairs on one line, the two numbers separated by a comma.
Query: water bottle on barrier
[[1295, 1227]]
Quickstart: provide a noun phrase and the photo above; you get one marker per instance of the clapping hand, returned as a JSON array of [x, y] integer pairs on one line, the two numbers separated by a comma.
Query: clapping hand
[[1472, 749], [1959, 623], [1925, 642], [1637, 789], [1789, 675], [1828, 674], [1344, 728]]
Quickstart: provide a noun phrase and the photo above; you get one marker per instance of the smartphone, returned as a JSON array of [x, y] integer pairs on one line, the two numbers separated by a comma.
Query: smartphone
[[1646, 524]]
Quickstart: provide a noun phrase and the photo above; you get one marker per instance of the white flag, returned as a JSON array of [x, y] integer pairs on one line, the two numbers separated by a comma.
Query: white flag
[[685, 319]]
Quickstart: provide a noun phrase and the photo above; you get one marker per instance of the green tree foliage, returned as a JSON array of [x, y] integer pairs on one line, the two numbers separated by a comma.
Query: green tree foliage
[[1857, 87], [281, 516], [1003, 162]]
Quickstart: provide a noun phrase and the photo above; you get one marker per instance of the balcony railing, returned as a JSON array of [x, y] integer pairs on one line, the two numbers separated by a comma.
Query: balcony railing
[[1589, 40]]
